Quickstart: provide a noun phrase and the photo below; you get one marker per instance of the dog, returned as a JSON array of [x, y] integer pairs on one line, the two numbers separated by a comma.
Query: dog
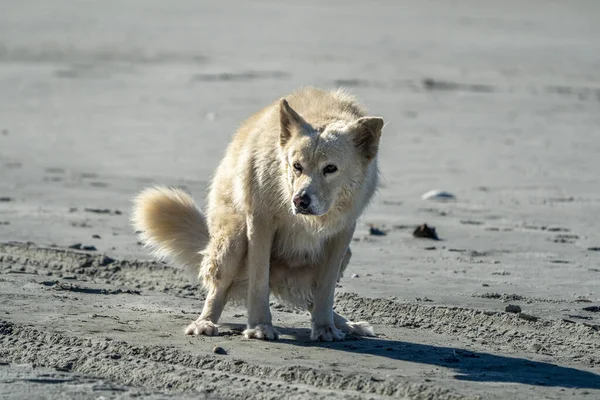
[[281, 212]]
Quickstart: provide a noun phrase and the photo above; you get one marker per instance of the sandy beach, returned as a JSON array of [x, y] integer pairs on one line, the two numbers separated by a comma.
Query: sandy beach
[[497, 103]]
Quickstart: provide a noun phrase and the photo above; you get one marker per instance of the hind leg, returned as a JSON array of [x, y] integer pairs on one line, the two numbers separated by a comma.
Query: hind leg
[[206, 324], [361, 328], [223, 259]]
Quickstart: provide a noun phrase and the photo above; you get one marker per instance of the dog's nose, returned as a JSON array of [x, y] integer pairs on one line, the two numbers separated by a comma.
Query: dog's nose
[[302, 202]]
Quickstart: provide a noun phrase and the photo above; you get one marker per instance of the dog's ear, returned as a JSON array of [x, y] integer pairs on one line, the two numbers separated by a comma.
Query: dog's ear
[[366, 132], [290, 121]]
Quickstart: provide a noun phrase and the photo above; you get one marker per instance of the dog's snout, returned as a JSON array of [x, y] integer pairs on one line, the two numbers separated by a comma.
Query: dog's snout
[[302, 202]]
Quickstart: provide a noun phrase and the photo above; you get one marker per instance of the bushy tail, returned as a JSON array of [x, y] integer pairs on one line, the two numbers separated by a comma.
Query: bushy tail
[[170, 223]]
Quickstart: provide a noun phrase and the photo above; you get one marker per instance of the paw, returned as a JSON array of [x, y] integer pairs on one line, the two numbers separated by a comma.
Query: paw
[[361, 328], [202, 327], [328, 333], [262, 331]]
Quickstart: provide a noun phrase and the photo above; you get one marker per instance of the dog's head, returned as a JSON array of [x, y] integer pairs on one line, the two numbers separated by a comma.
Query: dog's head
[[326, 166]]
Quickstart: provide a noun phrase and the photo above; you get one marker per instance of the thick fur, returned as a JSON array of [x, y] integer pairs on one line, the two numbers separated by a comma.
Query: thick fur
[[169, 223], [281, 213]]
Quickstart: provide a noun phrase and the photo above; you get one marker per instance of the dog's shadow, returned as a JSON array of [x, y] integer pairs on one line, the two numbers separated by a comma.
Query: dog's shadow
[[469, 365]]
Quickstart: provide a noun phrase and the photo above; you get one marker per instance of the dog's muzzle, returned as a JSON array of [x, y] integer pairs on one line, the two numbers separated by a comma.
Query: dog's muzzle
[[302, 204]]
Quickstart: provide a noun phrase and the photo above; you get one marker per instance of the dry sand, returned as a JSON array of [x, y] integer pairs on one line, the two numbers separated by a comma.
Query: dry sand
[[496, 102]]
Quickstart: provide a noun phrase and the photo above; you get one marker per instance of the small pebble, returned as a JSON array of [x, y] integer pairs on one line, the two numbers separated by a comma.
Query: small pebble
[[375, 231], [355, 276], [96, 237], [424, 231], [438, 195], [512, 308], [219, 350]]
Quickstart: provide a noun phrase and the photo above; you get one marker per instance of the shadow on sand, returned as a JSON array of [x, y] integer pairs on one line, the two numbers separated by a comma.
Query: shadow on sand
[[469, 365]]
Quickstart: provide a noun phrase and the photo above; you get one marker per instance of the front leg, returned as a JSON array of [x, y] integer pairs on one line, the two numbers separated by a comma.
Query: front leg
[[260, 241], [323, 327]]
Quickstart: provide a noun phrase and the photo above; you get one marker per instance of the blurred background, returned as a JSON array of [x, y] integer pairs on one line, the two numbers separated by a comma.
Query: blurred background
[[497, 102]]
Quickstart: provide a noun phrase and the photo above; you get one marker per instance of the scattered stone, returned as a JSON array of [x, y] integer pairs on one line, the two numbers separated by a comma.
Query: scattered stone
[[98, 210], [103, 211], [355, 276], [5, 199], [502, 273], [424, 299], [528, 317], [96, 237], [79, 246], [375, 231], [424, 231], [438, 195], [219, 350], [485, 285], [430, 248], [592, 308], [72, 209], [565, 238], [596, 248], [557, 229], [582, 301], [513, 308]]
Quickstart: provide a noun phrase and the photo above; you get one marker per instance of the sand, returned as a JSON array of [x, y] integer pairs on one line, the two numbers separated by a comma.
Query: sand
[[495, 102]]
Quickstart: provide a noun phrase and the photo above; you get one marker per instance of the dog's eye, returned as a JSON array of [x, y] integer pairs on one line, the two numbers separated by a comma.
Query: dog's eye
[[297, 167], [329, 169]]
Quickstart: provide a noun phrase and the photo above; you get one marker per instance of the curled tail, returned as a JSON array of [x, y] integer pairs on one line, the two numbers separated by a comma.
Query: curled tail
[[170, 223]]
